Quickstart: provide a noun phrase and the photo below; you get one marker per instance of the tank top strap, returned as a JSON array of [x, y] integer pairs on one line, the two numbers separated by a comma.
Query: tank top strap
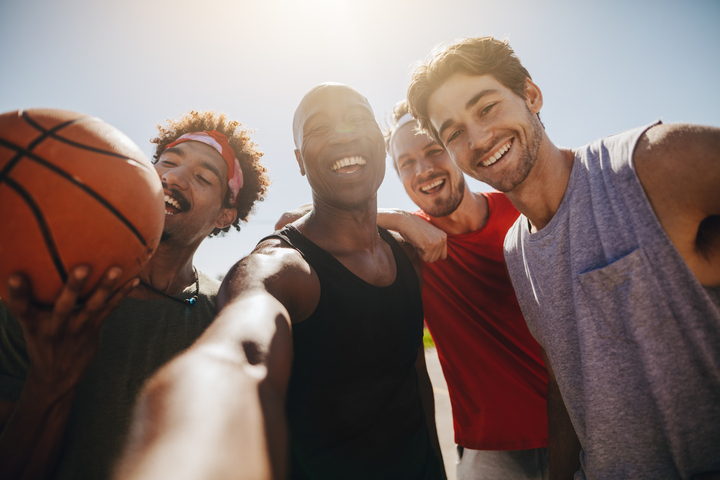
[[317, 257]]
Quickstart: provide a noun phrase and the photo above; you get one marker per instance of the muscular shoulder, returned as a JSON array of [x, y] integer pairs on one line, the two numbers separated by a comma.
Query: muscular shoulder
[[276, 268], [680, 164]]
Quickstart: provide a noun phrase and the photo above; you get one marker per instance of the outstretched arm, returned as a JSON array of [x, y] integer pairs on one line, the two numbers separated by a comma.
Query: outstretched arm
[[218, 410], [61, 345]]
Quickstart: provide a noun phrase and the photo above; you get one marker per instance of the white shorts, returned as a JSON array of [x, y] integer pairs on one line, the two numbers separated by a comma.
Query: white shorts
[[502, 464]]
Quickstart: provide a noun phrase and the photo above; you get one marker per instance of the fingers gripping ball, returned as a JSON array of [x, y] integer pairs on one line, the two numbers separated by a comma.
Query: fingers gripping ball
[[73, 190]]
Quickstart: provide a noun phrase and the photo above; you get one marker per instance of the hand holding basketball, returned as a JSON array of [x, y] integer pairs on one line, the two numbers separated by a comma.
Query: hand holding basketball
[[62, 343], [74, 191]]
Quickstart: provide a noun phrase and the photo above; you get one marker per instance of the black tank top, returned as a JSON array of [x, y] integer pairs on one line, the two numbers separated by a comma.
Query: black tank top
[[354, 406]]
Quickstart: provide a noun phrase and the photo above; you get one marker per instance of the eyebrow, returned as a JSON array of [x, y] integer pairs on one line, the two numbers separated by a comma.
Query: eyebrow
[[429, 144], [468, 105], [204, 164]]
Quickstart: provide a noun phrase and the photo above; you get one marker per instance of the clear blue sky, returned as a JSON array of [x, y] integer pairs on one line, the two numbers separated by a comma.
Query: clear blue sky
[[603, 67]]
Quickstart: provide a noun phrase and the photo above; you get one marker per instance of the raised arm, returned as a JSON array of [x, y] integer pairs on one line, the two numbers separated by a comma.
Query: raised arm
[[218, 410], [61, 344]]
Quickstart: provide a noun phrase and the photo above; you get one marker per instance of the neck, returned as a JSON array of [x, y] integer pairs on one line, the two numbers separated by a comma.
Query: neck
[[336, 230], [169, 271], [539, 196], [471, 215]]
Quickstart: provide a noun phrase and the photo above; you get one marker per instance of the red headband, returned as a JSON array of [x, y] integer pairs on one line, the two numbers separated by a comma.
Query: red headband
[[220, 143]]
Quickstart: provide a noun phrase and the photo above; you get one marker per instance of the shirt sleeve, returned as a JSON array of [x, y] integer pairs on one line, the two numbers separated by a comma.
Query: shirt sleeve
[[14, 362]]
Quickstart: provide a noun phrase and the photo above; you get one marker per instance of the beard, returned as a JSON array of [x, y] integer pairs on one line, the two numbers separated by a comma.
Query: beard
[[445, 206], [528, 157]]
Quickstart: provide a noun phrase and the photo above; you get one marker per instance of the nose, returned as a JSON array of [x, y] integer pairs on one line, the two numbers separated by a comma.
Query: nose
[[424, 166], [174, 177], [344, 132], [478, 137]]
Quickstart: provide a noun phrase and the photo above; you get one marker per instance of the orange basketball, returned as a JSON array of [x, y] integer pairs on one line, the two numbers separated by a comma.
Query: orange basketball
[[73, 190]]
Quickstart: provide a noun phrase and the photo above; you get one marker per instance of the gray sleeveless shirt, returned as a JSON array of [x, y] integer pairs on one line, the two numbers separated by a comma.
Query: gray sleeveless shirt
[[633, 337]]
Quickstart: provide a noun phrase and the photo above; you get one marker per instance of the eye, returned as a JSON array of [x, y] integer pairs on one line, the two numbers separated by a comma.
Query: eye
[[407, 163], [203, 180], [358, 119], [434, 152], [454, 135], [319, 128], [487, 109], [167, 163]]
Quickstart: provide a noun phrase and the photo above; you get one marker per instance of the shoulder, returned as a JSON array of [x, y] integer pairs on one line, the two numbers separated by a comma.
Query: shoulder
[[501, 204], [278, 269], [679, 163]]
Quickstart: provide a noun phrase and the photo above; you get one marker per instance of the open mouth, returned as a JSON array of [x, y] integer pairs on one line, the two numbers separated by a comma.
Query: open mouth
[[175, 203], [348, 165], [433, 187], [499, 153]]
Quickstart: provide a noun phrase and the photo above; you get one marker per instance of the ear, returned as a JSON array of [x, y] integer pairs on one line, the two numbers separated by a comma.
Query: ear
[[226, 218], [299, 159], [533, 96]]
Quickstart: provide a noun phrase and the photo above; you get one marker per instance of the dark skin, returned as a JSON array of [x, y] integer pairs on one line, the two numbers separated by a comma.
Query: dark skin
[[248, 348]]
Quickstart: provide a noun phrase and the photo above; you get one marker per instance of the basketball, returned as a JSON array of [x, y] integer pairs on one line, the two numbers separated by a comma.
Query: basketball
[[73, 190]]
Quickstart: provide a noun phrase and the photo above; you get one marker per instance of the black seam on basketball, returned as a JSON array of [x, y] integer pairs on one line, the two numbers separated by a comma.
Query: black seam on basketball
[[32, 156], [73, 143], [44, 228], [20, 151]]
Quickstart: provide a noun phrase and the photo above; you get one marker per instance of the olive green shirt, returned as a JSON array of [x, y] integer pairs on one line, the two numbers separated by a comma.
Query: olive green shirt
[[137, 338]]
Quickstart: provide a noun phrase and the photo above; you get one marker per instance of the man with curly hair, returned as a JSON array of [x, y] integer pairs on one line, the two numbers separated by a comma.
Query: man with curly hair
[[67, 392]]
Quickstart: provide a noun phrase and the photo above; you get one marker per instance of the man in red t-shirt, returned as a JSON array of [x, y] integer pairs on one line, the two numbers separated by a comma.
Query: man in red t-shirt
[[494, 370]]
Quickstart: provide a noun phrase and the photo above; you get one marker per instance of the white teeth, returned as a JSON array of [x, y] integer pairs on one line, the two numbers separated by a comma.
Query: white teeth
[[432, 185], [347, 161], [494, 158], [171, 201]]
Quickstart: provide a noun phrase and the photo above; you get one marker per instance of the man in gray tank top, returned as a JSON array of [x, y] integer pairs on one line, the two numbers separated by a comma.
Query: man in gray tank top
[[615, 261]]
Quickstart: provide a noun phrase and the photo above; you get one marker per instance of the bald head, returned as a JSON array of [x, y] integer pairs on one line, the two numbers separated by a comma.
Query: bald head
[[315, 96]]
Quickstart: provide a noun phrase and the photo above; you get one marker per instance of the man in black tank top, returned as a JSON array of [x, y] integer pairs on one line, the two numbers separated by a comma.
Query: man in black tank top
[[314, 366]]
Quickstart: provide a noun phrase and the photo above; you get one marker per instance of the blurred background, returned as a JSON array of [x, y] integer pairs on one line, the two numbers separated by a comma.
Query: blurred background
[[603, 67]]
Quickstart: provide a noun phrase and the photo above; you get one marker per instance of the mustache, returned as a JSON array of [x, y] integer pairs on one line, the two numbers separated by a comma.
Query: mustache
[[429, 178], [179, 197]]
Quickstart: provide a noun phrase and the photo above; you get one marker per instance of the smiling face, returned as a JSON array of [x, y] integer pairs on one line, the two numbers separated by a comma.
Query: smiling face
[[430, 178], [491, 133], [339, 146], [194, 179]]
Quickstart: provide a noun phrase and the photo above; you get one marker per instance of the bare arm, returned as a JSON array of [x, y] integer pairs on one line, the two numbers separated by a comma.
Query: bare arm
[[61, 345], [679, 169], [218, 410], [429, 241], [564, 446], [292, 215], [428, 401]]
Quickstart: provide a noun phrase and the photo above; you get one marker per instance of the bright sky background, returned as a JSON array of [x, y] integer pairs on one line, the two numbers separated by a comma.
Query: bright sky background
[[603, 67]]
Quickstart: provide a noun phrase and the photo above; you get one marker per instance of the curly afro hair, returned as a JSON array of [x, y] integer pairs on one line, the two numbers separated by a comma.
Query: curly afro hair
[[255, 178]]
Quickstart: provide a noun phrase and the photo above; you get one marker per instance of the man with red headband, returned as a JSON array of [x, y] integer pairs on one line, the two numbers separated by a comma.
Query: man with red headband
[[66, 393]]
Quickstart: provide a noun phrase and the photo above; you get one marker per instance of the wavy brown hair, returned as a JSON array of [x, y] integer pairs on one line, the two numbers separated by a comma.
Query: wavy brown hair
[[255, 177], [473, 56]]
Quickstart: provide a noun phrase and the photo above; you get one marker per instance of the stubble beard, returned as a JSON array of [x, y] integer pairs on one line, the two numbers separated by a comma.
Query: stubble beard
[[444, 207], [527, 160]]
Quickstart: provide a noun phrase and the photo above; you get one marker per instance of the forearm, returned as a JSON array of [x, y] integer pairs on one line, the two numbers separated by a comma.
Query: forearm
[[207, 416], [31, 441], [218, 410], [429, 241]]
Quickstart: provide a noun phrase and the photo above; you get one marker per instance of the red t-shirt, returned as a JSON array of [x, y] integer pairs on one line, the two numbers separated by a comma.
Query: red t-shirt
[[492, 364]]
